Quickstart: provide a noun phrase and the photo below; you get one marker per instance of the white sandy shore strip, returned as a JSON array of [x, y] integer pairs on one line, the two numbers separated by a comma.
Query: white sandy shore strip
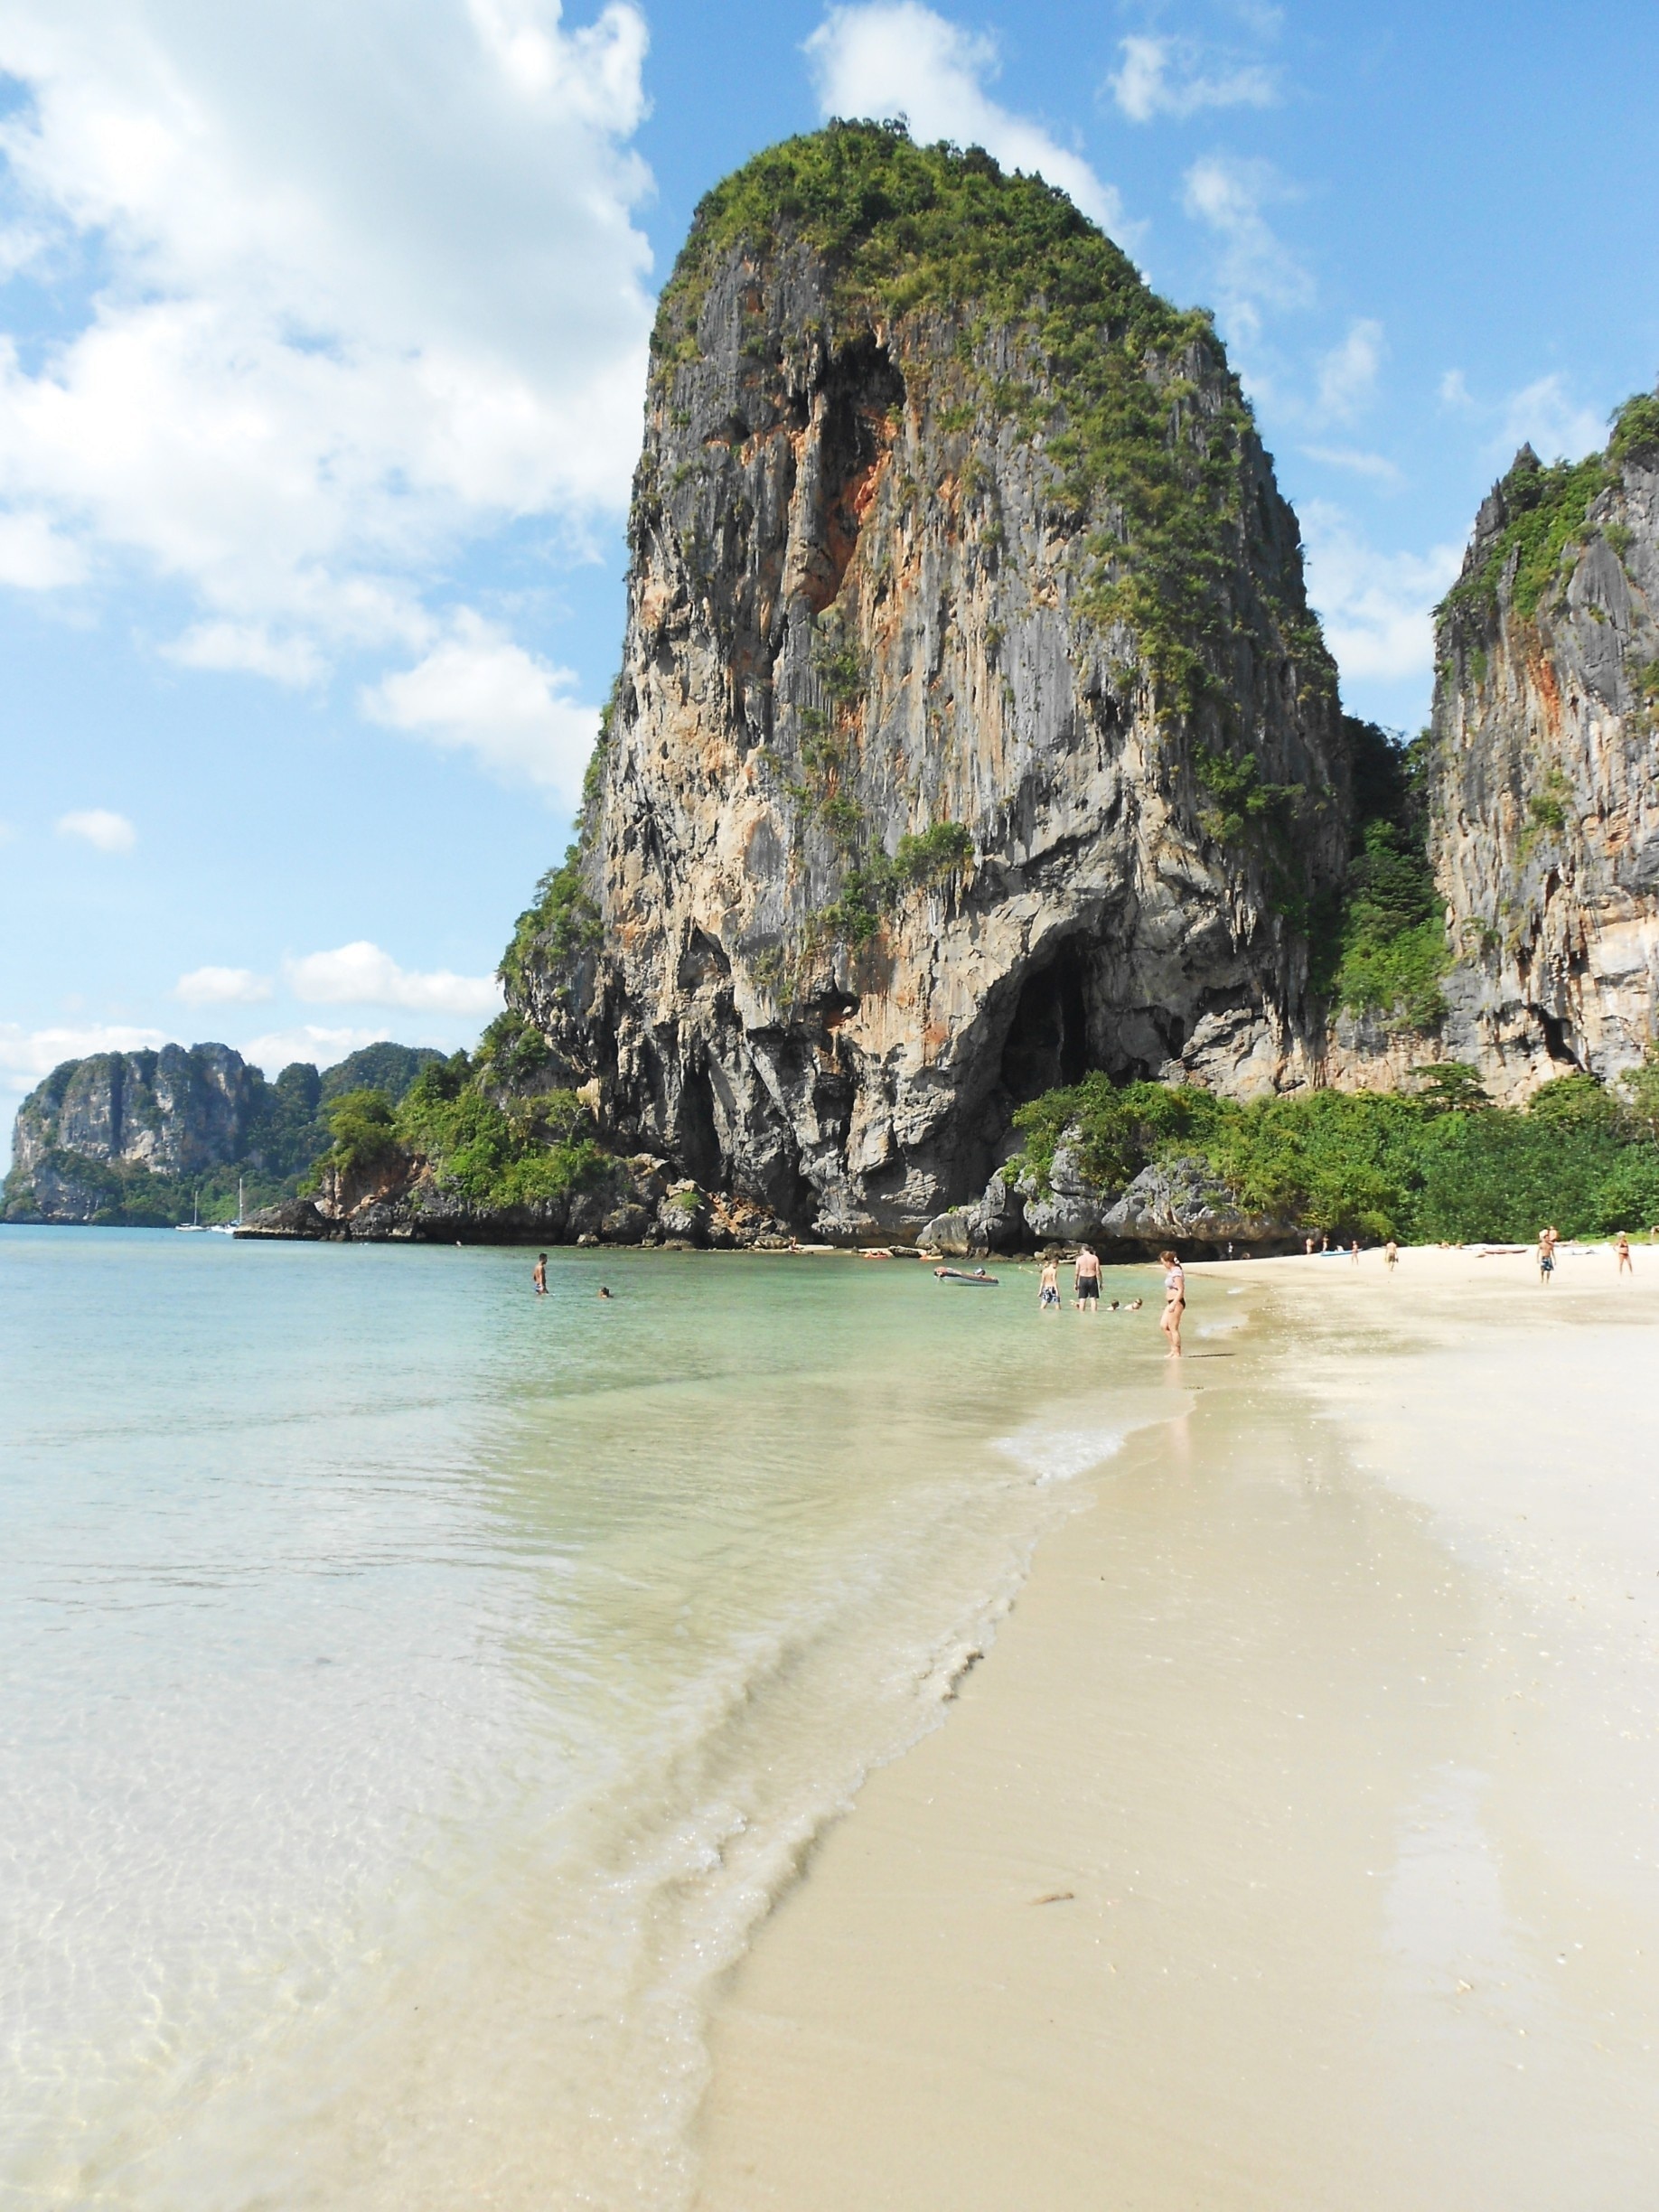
[[1296, 1845]]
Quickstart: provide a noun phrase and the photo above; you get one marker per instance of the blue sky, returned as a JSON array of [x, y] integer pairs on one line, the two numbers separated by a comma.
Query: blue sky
[[322, 345]]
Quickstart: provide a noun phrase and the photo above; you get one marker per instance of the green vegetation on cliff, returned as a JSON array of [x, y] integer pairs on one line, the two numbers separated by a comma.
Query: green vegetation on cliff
[[496, 1147], [1442, 1165], [288, 1130], [1137, 447], [1547, 510], [1379, 948]]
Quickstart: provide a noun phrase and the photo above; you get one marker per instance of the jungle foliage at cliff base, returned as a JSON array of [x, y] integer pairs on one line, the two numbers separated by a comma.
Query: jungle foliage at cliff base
[[1441, 1166]]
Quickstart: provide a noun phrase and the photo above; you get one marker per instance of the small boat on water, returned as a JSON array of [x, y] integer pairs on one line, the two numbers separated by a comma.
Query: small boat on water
[[195, 1225], [230, 1228], [977, 1280]]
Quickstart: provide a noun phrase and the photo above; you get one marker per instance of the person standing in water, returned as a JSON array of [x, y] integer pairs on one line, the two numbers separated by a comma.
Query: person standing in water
[[1627, 1265], [1175, 1301], [1048, 1288], [539, 1277], [1086, 1281]]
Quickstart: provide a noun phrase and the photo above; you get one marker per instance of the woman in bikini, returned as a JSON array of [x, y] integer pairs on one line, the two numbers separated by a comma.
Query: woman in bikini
[[1175, 1302], [1627, 1266]]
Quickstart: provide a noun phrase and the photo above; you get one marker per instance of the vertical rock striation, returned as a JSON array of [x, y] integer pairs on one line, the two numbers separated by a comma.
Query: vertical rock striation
[[1544, 813], [972, 729]]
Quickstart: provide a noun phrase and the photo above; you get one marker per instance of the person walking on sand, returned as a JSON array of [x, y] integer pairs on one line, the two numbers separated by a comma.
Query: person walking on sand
[[1175, 1301], [1627, 1266], [1390, 1255], [539, 1277], [1086, 1281], [1354, 1254], [1546, 1256], [1048, 1288]]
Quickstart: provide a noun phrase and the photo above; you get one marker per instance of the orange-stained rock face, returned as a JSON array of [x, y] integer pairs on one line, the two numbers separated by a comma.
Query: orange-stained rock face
[[855, 616]]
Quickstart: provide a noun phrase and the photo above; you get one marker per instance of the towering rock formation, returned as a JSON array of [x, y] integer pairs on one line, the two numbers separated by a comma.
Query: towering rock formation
[[176, 1112], [972, 729], [1544, 773]]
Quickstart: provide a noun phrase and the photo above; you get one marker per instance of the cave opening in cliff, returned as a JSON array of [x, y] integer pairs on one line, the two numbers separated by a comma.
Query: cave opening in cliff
[[1047, 1043], [697, 1139]]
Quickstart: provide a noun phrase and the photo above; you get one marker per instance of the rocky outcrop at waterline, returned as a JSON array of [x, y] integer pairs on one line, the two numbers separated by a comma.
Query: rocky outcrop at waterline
[[972, 728], [1544, 793]]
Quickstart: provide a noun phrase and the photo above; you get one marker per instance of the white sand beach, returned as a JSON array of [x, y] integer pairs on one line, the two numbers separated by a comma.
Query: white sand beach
[[1295, 1844]]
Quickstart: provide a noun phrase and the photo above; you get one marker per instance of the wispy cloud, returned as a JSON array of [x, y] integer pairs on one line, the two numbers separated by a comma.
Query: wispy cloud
[[109, 832], [222, 987], [1256, 269], [361, 974], [1169, 77], [1357, 462], [1377, 608], [1347, 376], [896, 58], [1545, 416]]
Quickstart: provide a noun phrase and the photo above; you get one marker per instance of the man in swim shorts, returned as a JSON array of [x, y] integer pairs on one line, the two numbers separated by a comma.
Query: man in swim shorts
[[539, 1275], [1087, 1282], [1048, 1288]]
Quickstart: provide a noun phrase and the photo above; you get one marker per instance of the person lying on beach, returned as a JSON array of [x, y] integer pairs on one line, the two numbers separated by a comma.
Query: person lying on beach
[[1048, 1288], [1175, 1302], [1086, 1281]]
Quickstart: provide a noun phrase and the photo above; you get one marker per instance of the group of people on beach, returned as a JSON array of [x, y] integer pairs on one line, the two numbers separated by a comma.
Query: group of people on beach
[[1086, 1291]]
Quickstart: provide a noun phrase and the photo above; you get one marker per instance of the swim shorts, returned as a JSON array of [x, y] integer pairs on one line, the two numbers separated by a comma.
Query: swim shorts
[[1090, 1288]]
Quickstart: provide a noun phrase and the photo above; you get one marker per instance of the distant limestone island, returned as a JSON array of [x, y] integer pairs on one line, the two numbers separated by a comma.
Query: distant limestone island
[[976, 852], [149, 1139]]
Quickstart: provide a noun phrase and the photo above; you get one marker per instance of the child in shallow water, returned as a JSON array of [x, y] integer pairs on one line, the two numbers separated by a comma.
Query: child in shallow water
[[1048, 1288]]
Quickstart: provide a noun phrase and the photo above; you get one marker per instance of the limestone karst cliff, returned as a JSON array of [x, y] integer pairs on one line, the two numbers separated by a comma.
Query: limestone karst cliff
[[134, 1137], [1544, 768], [972, 728]]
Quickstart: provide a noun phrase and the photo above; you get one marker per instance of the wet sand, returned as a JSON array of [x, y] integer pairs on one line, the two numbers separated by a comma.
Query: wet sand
[[1295, 1845]]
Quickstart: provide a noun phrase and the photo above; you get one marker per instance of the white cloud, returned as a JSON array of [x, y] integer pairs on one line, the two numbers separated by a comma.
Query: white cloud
[[1377, 608], [1348, 372], [1545, 416], [323, 1047], [891, 58], [371, 288], [1455, 391], [36, 557], [360, 974], [478, 692], [292, 660], [1165, 76], [111, 833], [222, 987], [26, 1055], [1357, 462], [1257, 269]]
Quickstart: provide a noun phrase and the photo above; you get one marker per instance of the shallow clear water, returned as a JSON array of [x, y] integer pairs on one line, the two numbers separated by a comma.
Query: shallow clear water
[[416, 1691]]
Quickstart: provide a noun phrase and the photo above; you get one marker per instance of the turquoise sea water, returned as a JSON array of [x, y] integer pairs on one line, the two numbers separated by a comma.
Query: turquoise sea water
[[417, 1690]]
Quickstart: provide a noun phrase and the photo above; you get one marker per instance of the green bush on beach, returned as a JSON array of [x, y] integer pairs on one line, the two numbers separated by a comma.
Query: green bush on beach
[[1441, 1165]]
